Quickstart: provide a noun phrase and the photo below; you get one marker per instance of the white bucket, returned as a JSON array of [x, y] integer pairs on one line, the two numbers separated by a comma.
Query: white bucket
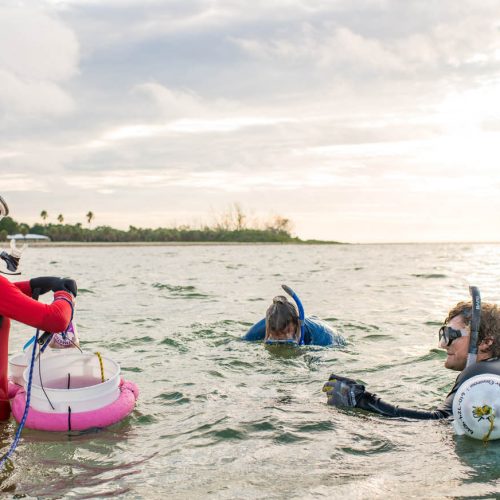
[[17, 365], [28, 353], [86, 390], [20, 361]]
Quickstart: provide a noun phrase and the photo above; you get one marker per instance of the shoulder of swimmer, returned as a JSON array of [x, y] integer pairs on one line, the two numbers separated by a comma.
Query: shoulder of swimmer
[[487, 366]]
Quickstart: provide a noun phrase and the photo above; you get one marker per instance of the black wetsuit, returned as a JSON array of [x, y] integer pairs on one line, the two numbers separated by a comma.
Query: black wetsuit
[[371, 402]]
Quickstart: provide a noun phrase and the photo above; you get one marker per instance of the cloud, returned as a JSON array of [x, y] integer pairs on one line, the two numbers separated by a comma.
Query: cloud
[[172, 103], [21, 183], [350, 107], [38, 53], [32, 97], [351, 54], [184, 112], [326, 48], [217, 180]]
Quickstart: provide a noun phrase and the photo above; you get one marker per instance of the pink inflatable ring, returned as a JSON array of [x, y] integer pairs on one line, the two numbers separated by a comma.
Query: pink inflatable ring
[[75, 421]]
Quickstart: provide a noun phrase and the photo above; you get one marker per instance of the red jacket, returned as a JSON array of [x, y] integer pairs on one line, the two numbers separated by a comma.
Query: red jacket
[[16, 303]]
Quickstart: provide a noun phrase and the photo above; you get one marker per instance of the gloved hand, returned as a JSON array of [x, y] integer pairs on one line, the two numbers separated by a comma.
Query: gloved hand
[[343, 391], [51, 283]]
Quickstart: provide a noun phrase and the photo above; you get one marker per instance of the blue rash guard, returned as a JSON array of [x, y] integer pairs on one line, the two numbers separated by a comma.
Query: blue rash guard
[[316, 332]]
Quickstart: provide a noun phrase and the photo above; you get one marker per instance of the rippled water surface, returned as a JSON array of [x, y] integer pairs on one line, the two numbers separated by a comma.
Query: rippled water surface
[[221, 418]]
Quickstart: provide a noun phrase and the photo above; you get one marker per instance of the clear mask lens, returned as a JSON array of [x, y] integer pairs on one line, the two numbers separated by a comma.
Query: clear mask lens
[[447, 335], [281, 342], [289, 335]]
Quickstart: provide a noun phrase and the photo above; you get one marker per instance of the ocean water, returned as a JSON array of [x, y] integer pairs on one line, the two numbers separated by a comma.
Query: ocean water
[[221, 418]]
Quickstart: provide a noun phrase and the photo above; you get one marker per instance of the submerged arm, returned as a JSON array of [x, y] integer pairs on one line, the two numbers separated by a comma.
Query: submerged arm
[[371, 402], [256, 332], [346, 392]]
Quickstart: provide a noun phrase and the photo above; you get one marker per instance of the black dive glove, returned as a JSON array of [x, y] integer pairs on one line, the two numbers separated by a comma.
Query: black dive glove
[[343, 391], [51, 283]]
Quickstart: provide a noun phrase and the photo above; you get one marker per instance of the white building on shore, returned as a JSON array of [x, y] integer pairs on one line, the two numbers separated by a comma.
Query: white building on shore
[[27, 237]]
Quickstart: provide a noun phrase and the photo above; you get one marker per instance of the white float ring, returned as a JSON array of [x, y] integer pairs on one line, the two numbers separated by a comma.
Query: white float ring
[[476, 407]]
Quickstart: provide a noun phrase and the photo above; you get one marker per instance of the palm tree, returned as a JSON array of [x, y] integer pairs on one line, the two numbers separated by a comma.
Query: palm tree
[[60, 218], [24, 229], [90, 217], [44, 215]]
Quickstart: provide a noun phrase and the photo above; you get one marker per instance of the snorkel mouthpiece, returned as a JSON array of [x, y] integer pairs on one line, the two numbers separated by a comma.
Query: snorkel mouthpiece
[[300, 307], [475, 322]]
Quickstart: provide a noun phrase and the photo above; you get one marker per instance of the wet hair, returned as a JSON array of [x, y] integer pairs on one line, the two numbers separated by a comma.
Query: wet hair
[[489, 328], [280, 313]]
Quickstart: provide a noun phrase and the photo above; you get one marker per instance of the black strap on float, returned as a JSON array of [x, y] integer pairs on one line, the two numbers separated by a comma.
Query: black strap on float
[[69, 418], [475, 322]]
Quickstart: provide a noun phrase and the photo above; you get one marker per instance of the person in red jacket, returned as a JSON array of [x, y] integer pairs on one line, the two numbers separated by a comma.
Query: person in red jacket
[[16, 303]]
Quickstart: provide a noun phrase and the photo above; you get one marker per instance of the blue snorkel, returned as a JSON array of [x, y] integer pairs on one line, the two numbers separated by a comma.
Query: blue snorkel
[[300, 307], [474, 324]]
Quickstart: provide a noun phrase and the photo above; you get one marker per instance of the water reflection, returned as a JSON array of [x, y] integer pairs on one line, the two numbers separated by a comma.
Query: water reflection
[[284, 351], [242, 415], [481, 458], [61, 462]]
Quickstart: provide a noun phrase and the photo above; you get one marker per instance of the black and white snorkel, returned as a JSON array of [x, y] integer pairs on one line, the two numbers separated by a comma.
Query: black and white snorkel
[[300, 308], [475, 322], [12, 257]]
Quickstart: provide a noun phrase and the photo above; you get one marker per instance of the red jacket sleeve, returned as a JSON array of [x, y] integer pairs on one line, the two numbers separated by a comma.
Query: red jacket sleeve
[[24, 286], [14, 304]]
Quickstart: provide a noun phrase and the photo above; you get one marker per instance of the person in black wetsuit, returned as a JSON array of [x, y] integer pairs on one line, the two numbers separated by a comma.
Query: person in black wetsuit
[[455, 337]]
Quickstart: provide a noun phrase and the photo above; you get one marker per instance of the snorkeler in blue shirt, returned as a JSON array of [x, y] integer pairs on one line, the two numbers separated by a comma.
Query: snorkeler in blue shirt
[[283, 325]]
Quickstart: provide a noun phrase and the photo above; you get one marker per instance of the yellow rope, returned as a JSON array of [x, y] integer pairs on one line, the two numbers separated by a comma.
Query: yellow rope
[[98, 354], [491, 419]]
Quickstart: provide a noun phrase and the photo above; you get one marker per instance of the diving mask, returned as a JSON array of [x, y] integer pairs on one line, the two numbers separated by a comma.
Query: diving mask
[[281, 342], [447, 335], [289, 335]]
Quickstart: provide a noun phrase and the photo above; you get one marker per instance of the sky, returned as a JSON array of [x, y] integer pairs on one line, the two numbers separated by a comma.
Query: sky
[[359, 120]]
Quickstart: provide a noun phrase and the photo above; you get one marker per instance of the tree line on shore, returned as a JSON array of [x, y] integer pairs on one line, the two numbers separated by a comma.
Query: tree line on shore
[[232, 226]]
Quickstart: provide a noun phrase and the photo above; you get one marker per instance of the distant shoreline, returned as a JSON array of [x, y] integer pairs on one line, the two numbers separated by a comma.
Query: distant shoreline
[[40, 244], [97, 244]]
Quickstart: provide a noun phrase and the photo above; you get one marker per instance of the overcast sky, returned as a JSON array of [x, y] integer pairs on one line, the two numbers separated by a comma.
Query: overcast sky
[[360, 120]]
